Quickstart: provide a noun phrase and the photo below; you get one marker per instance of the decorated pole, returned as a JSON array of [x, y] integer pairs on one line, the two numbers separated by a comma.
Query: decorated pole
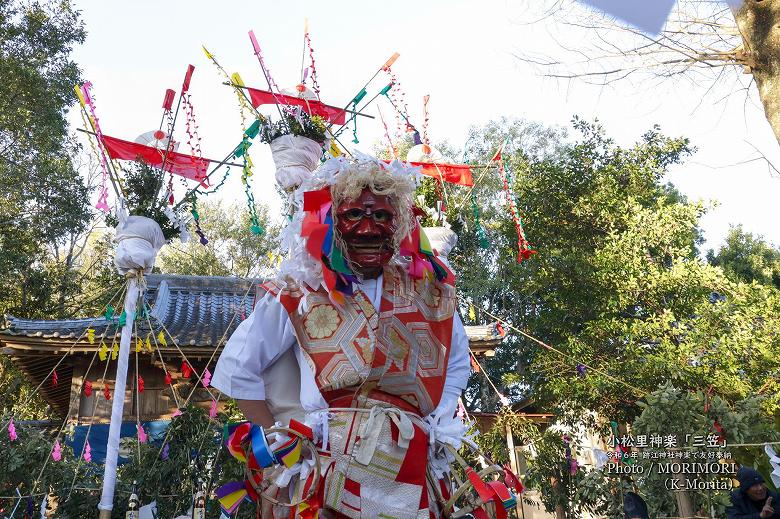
[[139, 239]]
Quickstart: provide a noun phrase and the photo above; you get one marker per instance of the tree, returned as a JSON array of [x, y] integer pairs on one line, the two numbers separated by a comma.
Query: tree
[[703, 43], [44, 199], [748, 258], [618, 294], [232, 249]]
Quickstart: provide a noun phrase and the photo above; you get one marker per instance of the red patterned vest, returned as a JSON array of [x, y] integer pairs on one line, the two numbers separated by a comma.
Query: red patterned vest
[[398, 355]]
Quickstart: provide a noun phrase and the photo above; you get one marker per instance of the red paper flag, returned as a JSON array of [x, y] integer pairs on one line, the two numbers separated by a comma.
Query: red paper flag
[[459, 174], [168, 100], [54, 378], [141, 386], [87, 388], [107, 392], [331, 114], [180, 164], [168, 379], [187, 77], [186, 370], [474, 365]]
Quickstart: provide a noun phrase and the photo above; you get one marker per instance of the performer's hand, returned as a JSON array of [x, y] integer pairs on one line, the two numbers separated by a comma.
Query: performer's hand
[[767, 511], [256, 411]]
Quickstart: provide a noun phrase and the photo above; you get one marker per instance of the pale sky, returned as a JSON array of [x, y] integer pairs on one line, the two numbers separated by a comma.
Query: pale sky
[[459, 52]]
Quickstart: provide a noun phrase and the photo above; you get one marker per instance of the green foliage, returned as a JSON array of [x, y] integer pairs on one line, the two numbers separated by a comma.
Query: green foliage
[[748, 258], [232, 249], [295, 122], [142, 185], [193, 441], [44, 199]]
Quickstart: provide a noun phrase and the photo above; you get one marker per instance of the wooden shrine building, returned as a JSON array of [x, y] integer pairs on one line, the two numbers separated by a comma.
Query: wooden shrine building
[[196, 315]]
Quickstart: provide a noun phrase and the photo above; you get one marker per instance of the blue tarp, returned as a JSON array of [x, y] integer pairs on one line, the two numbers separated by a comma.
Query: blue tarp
[[98, 437]]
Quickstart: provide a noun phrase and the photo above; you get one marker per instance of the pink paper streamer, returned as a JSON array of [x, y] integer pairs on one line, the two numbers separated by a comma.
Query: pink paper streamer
[[12, 431], [87, 452], [56, 454], [206, 379], [142, 436], [213, 409]]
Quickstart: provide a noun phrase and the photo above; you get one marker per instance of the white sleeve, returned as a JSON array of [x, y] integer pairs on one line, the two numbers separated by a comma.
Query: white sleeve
[[458, 365], [257, 342]]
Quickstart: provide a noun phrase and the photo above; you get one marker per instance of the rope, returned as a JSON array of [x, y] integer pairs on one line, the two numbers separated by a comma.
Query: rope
[[34, 392], [509, 325]]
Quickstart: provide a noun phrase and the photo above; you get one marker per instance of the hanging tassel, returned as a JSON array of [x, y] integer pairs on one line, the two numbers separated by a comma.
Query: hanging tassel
[[142, 436], [56, 454]]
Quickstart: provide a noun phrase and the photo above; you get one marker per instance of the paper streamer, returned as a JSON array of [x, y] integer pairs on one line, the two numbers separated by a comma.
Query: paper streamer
[[56, 454], [12, 430]]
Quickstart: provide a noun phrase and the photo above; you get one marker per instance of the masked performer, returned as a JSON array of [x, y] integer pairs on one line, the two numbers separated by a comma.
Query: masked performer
[[370, 314]]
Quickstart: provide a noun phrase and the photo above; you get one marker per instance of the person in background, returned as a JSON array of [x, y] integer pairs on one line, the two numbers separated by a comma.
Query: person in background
[[753, 500]]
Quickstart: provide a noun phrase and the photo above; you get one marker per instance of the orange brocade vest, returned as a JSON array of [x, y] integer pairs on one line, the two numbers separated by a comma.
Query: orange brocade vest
[[398, 355]]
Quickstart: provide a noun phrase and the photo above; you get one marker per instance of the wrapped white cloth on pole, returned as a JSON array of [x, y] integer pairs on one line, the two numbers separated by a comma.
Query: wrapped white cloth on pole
[[139, 239], [295, 158], [118, 402]]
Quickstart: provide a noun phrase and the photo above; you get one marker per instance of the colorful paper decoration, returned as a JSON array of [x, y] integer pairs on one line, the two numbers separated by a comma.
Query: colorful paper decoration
[[12, 430], [164, 453], [87, 388], [54, 378], [331, 114], [86, 101], [139, 345], [161, 339], [206, 378], [213, 409], [180, 164], [141, 385], [109, 313], [142, 436], [122, 319], [168, 379], [524, 250], [149, 345], [87, 452], [103, 351], [107, 392], [56, 453], [230, 496], [91, 335], [186, 370], [115, 352]]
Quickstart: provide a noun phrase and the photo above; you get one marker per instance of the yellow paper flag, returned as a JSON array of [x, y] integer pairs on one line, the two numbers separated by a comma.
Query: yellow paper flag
[[472, 313], [161, 339]]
